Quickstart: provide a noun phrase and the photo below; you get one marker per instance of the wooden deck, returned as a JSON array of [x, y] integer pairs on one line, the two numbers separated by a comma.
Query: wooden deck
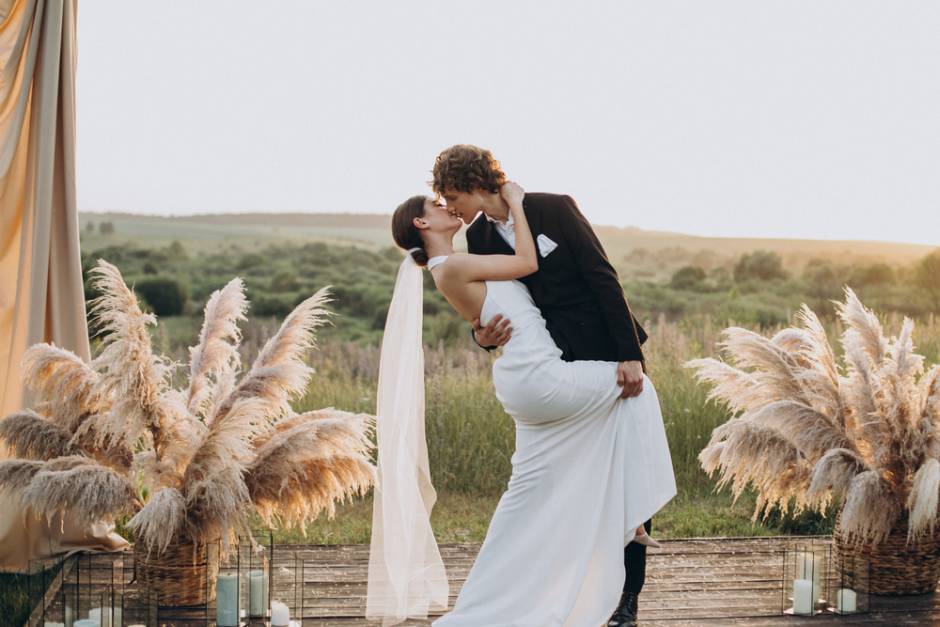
[[724, 581]]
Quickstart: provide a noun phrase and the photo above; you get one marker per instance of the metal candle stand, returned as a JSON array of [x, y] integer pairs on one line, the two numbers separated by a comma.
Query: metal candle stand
[[815, 580], [102, 590]]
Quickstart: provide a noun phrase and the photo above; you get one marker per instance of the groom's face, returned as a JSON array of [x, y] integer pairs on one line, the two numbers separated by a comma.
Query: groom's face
[[464, 205]]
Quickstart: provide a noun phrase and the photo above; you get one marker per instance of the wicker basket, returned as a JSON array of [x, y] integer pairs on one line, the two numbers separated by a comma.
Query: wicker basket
[[183, 575], [896, 567]]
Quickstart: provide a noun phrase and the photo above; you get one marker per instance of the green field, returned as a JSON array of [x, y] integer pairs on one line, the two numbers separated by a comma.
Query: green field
[[684, 289]]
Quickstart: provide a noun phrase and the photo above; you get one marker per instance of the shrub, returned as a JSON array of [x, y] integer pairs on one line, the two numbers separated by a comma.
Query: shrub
[[167, 297], [688, 278], [762, 265]]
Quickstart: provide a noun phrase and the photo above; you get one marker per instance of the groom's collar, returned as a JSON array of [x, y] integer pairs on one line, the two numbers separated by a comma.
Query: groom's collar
[[509, 221]]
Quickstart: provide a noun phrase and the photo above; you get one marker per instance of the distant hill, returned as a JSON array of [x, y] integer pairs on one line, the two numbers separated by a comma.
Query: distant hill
[[643, 253]]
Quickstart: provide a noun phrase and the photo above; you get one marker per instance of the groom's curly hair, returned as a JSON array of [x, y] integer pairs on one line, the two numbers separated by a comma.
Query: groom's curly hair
[[464, 168]]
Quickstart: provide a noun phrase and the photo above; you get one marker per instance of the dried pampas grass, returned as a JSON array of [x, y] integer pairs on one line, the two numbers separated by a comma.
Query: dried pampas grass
[[31, 436], [56, 487], [160, 521], [310, 461], [103, 435], [809, 429]]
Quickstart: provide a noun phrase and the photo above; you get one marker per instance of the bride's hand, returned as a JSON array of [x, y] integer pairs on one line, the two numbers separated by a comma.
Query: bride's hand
[[512, 193]]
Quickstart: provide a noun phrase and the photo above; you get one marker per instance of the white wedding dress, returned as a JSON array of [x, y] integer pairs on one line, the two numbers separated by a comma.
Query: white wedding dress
[[588, 469]]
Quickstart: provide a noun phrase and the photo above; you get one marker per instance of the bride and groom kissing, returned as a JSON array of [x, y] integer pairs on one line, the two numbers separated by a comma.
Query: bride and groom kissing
[[566, 545]]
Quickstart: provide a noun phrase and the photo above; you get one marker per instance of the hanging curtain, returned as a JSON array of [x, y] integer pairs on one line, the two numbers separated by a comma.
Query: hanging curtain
[[41, 293]]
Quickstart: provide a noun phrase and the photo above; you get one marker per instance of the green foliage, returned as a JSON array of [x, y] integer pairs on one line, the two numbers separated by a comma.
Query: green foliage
[[284, 282], [688, 278], [872, 274], [166, 296], [762, 265], [106, 228], [927, 275]]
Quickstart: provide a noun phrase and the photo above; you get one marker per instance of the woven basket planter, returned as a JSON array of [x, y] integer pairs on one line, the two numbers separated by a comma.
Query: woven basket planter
[[183, 575], [896, 567]]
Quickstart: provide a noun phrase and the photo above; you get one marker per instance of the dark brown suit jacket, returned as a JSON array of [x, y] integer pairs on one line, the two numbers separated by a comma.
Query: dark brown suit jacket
[[576, 288]]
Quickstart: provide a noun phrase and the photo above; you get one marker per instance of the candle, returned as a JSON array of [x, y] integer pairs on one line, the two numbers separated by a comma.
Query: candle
[[258, 596], [100, 614], [226, 592], [280, 615], [809, 566], [48, 624], [86, 622], [803, 596], [69, 618], [845, 601]]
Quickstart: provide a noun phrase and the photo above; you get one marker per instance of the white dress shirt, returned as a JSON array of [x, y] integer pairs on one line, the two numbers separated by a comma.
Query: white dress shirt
[[505, 229]]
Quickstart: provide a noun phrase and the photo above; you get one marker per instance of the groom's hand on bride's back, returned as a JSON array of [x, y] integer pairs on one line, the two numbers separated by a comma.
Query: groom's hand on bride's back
[[630, 378], [494, 334]]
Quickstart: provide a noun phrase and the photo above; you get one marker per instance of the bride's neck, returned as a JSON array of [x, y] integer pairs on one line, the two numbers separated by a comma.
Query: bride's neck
[[438, 246]]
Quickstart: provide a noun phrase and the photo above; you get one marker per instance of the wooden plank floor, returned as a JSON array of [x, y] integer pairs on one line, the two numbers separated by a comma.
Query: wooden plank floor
[[721, 581]]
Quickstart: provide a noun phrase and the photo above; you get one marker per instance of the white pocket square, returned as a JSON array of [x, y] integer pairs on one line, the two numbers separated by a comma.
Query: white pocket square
[[545, 244]]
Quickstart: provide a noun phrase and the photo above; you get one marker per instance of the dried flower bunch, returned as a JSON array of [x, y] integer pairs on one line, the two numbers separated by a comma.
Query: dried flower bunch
[[864, 430], [113, 437]]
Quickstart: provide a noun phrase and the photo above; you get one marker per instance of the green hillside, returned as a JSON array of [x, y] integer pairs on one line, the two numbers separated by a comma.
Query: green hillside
[[636, 252]]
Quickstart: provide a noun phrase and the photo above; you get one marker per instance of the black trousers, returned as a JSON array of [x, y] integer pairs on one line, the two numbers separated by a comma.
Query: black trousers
[[634, 560]]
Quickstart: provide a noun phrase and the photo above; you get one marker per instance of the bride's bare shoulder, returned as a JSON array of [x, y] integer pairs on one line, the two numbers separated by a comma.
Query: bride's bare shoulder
[[456, 261]]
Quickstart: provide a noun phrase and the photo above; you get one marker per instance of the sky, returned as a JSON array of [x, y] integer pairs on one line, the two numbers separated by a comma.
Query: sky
[[796, 118]]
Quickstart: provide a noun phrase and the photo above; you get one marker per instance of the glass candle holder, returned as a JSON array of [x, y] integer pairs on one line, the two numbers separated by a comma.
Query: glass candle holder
[[805, 577]]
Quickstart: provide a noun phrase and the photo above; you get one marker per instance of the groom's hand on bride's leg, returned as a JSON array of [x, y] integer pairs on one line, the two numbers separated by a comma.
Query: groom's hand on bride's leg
[[630, 378], [494, 334]]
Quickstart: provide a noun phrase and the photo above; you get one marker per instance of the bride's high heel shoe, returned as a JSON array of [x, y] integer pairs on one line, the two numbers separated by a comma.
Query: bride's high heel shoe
[[647, 540]]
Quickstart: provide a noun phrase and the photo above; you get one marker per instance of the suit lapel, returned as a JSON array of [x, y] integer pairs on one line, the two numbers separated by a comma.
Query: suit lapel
[[492, 240]]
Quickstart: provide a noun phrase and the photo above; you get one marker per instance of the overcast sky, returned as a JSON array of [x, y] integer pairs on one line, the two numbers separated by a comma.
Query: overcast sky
[[812, 118]]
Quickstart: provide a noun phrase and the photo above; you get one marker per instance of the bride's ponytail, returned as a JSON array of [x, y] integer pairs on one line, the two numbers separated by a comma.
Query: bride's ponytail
[[403, 229]]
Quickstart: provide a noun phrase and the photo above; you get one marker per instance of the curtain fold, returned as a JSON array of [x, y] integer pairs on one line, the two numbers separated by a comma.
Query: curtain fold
[[41, 294], [41, 291]]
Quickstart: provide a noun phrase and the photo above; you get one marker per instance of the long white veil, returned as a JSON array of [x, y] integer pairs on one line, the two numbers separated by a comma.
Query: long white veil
[[406, 573]]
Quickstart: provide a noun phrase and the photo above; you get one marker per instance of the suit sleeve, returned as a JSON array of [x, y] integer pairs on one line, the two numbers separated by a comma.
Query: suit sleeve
[[602, 280]]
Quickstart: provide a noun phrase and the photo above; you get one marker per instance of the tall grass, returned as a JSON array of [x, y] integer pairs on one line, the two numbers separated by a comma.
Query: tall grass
[[471, 439]]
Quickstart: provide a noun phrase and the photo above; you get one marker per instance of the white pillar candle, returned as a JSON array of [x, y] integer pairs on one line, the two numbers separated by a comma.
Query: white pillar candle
[[226, 595], [49, 624], [280, 615], [101, 614], [117, 617], [86, 622], [69, 618], [845, 601], [802, 596], [258, 586], [809, 566]]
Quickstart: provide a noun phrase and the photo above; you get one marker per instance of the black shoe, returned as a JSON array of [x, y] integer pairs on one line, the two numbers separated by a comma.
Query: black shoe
[[625, 614]]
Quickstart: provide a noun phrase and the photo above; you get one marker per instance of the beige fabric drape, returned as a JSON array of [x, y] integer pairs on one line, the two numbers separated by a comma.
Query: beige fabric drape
[[41, 294]]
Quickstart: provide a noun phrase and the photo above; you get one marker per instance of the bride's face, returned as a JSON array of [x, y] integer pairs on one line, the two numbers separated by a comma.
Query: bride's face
[[464, 205], [438, 219]]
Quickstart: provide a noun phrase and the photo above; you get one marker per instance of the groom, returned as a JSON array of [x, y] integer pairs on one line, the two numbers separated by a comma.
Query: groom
[[576, 289]]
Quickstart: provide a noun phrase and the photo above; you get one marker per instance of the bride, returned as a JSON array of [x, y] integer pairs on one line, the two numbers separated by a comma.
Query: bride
[[588, 468]]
